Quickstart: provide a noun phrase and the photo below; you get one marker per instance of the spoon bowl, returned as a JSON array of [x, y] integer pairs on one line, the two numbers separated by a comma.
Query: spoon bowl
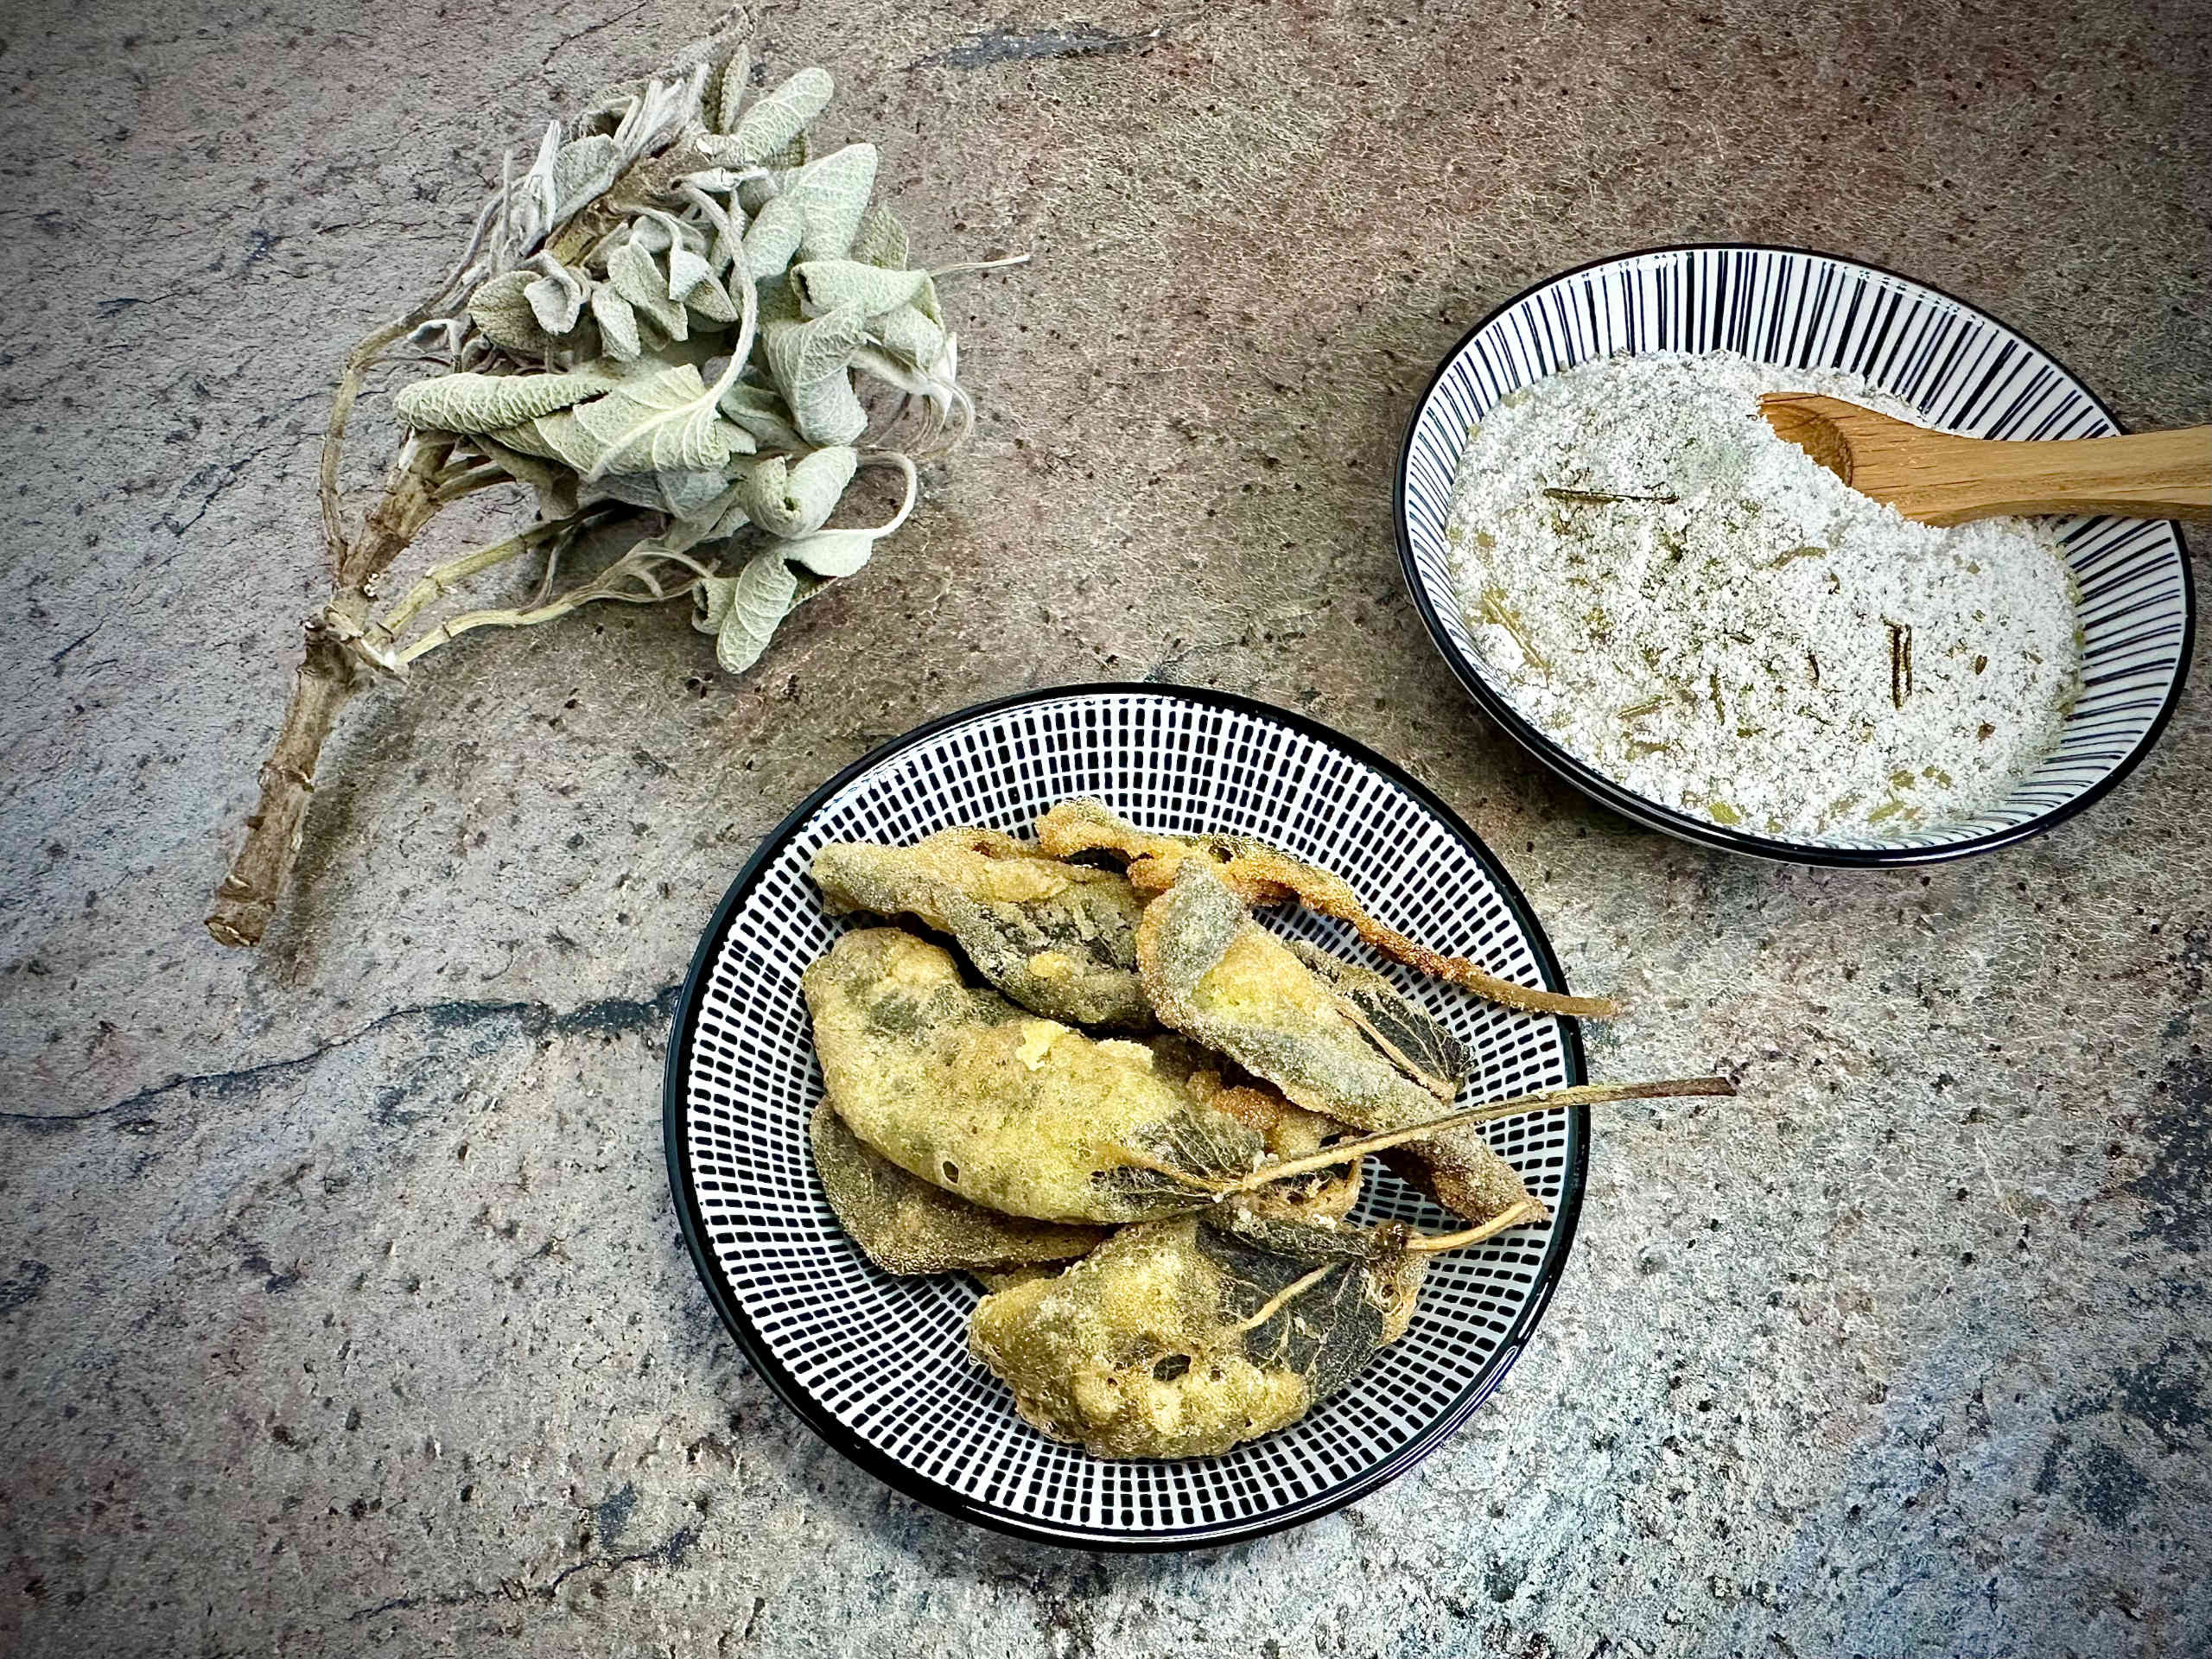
[[1940, 478]]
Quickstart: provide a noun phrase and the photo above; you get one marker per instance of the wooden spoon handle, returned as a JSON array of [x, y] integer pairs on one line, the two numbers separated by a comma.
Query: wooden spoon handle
[[1950, 479]]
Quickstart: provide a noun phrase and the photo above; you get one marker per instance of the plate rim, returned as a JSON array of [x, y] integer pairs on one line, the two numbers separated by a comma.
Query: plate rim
[[766, 1366], [1651, 814]]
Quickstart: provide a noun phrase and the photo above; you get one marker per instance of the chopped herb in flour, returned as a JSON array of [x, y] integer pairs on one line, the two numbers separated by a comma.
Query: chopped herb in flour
[[1697, 608]]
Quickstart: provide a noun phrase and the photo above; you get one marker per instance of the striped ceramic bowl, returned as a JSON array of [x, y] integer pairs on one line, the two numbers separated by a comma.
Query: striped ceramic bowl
[[1960, 369]]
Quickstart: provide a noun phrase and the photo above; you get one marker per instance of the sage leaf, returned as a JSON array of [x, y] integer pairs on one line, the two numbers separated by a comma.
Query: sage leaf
[[905, 332], [775, 120], [710, 602], [872, 359], [557, 298], [710, 300], [833, 193], [761, 412], [618, 323], [795, 498], [554, 486], [686, 271], [881, 240], [679, 493], [825, 284], [759, 598], [808, 361], [756, 193], [779, 304], [666, 420], [772, 238], [556, 436], [485, 402], [832, 552], [926, 302], [637, 277], [582, 171], [726, 90], [1326, 1332], [502, 312]]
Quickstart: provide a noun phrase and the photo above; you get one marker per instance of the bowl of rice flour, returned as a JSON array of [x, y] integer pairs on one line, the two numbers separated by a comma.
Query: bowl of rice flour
[[1691, 621]]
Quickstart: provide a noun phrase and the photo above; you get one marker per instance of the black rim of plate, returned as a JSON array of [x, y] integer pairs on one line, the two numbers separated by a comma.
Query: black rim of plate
[[908, 1481], [1649, 813]]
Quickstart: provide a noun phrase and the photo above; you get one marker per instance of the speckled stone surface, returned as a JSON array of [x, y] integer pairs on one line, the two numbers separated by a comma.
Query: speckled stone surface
[[342, 1303]]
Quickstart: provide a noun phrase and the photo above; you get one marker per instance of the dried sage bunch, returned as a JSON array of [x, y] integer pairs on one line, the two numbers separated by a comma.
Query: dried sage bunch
[[657, 329]]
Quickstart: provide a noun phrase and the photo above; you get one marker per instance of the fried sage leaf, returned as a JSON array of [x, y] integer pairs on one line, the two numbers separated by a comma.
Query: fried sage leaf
[[1215, 975], [907, 1225], [1183, 1338], [1023, 1115], [1417, 1045], [1180, 1340], [1288, 1132], [1262, 875], [1059, 939]]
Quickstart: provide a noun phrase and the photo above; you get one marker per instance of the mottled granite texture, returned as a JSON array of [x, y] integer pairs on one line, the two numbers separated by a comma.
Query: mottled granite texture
[[341, 1306]]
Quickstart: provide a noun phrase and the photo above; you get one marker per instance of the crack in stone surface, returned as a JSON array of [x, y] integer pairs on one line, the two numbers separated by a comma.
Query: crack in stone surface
[[990, 46], [670, 1552], [609, 1017]]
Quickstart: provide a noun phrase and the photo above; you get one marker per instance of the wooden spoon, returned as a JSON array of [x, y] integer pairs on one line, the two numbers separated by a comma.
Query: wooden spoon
[[1940, 479]]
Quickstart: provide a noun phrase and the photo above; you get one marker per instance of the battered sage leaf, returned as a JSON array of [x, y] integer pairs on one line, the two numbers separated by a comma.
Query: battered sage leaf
[[907, 1225]]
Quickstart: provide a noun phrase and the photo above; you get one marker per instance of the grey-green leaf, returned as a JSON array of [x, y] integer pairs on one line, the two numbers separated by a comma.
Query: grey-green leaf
[[808, 361], [485, 402], [825, 284], [791, 499], [686, 271], [557, 298], [726, 90], [762, 412], [555, 485], [637, 277], [881, 240], [775, 120], [925, 302], [873, 359], [832, 552], [502, 311], [762, 594], [772, 238], [618, 323], [678, 493], [833, 193], [908, 333], [664, 422], [710, 602], [556, 436], [582, 171], [710, 300]]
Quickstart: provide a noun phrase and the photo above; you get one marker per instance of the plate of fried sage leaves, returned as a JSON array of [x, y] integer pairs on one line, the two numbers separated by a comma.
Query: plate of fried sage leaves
[[879, 1364]]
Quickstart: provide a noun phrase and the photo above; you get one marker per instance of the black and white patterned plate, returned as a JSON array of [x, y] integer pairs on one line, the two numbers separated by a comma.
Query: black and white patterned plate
[[1962, 370], [877, 1365]]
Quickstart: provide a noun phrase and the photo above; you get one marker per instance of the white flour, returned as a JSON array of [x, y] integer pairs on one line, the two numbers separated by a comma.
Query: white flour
[[1770, 649]]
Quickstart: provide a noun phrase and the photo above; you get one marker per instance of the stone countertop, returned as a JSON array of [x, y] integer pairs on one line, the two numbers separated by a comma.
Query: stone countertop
[[341, 1302]]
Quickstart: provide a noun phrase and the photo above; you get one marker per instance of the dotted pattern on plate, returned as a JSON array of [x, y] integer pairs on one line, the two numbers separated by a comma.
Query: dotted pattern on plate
[[1963, 372], [879, 1363]]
